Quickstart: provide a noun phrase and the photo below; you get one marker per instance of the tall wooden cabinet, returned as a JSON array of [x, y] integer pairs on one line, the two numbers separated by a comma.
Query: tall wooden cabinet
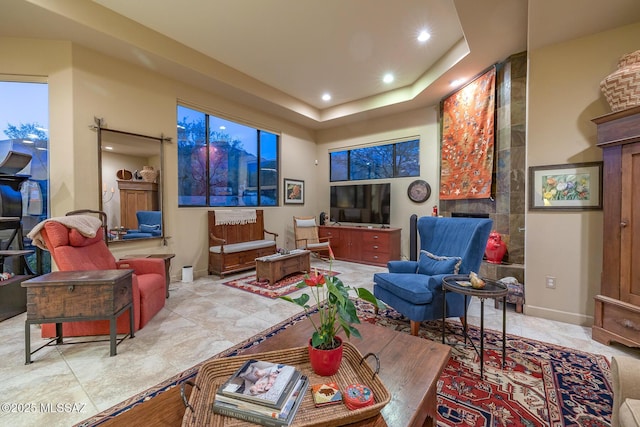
[[617, 308], [136, 196], [375, 246]]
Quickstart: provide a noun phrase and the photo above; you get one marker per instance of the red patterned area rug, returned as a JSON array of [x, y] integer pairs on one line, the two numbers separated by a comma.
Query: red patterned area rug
[[541, 385], [281, 287]]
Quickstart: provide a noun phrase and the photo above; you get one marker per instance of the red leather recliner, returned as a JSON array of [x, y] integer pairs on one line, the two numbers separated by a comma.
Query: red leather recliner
[[72, 251]]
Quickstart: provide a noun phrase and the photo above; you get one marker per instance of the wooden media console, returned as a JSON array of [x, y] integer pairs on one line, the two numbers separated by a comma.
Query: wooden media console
[[374, 246]]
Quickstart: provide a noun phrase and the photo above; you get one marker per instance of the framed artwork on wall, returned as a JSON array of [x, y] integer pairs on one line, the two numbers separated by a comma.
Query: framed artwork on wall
[[572, 186], [293, 191]]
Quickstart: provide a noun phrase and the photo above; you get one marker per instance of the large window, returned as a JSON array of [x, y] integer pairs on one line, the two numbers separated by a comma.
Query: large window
[[223, 163], [377, 162], [24, 123]]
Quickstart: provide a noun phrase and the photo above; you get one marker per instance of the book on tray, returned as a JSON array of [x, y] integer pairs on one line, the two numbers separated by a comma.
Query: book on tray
[[260, 414], [265, 383]]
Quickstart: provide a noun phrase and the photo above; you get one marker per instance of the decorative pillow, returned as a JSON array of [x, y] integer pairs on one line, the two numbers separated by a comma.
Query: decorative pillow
[[431, 264], [306, 222], [148, 228]]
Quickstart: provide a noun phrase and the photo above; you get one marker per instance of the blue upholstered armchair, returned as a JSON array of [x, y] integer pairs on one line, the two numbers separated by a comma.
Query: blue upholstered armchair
[[447, 246], [149, 225]]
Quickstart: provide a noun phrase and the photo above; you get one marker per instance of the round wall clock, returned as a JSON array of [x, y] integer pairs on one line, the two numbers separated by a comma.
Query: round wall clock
[[419, 191]]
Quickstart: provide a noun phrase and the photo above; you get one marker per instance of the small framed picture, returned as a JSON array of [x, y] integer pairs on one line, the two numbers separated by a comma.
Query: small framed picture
[[574, 186], [293, 191]]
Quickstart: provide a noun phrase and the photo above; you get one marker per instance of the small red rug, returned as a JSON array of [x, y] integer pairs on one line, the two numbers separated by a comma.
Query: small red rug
[[282, 287]]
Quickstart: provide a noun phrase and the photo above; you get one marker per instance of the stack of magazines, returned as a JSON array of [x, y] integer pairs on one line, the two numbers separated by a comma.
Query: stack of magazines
[[262, 392]]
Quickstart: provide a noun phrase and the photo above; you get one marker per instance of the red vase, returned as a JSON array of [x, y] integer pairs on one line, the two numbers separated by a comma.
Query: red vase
[[495, 249], [325, 362]]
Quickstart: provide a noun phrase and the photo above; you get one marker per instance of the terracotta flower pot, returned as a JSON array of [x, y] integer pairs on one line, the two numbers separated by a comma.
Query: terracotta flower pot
[[325, 362]]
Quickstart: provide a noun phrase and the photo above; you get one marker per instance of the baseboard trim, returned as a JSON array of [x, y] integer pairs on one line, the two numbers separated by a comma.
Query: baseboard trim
[[557, 315]]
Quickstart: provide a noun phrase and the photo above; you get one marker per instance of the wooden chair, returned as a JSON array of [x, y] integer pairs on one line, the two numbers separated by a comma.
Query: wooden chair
[[305, 230]]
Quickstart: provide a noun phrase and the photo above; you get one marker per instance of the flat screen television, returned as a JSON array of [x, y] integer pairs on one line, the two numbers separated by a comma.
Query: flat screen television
[[361, 203]]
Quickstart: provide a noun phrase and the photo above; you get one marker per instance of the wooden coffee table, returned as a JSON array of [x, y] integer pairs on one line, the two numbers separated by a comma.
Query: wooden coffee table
[[409, 368], [274, 267]]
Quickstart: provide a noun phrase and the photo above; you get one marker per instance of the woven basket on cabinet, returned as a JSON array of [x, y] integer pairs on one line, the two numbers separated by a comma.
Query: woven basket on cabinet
[[622, 87]]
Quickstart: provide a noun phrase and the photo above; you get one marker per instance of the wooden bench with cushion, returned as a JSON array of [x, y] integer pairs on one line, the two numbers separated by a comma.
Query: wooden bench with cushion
[[235, 247]]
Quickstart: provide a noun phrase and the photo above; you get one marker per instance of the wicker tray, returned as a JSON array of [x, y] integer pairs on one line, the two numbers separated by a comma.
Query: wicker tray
[[354, 369]]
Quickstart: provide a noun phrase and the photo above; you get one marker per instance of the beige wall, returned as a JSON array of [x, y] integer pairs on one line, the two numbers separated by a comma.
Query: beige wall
[[563, 97], [421, 123]]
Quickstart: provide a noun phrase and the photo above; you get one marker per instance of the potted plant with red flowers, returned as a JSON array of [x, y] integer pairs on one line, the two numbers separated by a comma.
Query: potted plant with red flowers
[[336, 313]]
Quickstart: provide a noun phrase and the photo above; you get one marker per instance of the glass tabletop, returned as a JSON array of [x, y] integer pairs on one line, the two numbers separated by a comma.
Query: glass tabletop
[[461, 284]]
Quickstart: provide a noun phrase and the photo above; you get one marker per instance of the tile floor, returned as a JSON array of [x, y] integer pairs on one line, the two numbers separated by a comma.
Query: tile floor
[[199, 320]]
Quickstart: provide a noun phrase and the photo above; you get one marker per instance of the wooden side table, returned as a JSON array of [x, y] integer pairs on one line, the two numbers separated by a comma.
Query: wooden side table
[[167, 264], [71, 296]]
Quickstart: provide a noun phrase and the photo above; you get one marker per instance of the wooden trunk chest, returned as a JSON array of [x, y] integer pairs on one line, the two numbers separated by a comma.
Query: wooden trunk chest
[[69, 296], [275, 267], [99, 293]]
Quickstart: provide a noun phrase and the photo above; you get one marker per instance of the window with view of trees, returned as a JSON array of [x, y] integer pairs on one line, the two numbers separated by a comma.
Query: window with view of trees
[[24, 111], [223, 163], [377, 162]]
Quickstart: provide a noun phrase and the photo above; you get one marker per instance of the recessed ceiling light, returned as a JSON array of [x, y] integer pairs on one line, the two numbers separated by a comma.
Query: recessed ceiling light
[[388, 78], [423, 36], [456, 82], [326, 97]]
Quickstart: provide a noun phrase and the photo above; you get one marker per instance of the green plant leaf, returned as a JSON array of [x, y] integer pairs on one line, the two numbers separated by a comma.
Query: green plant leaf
[[354, 332], [316, 340], [346, 327], [348, 312], [366, 295], [301, 300]]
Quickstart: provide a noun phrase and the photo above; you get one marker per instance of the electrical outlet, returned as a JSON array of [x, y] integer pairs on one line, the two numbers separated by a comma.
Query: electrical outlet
[[551, 282]]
